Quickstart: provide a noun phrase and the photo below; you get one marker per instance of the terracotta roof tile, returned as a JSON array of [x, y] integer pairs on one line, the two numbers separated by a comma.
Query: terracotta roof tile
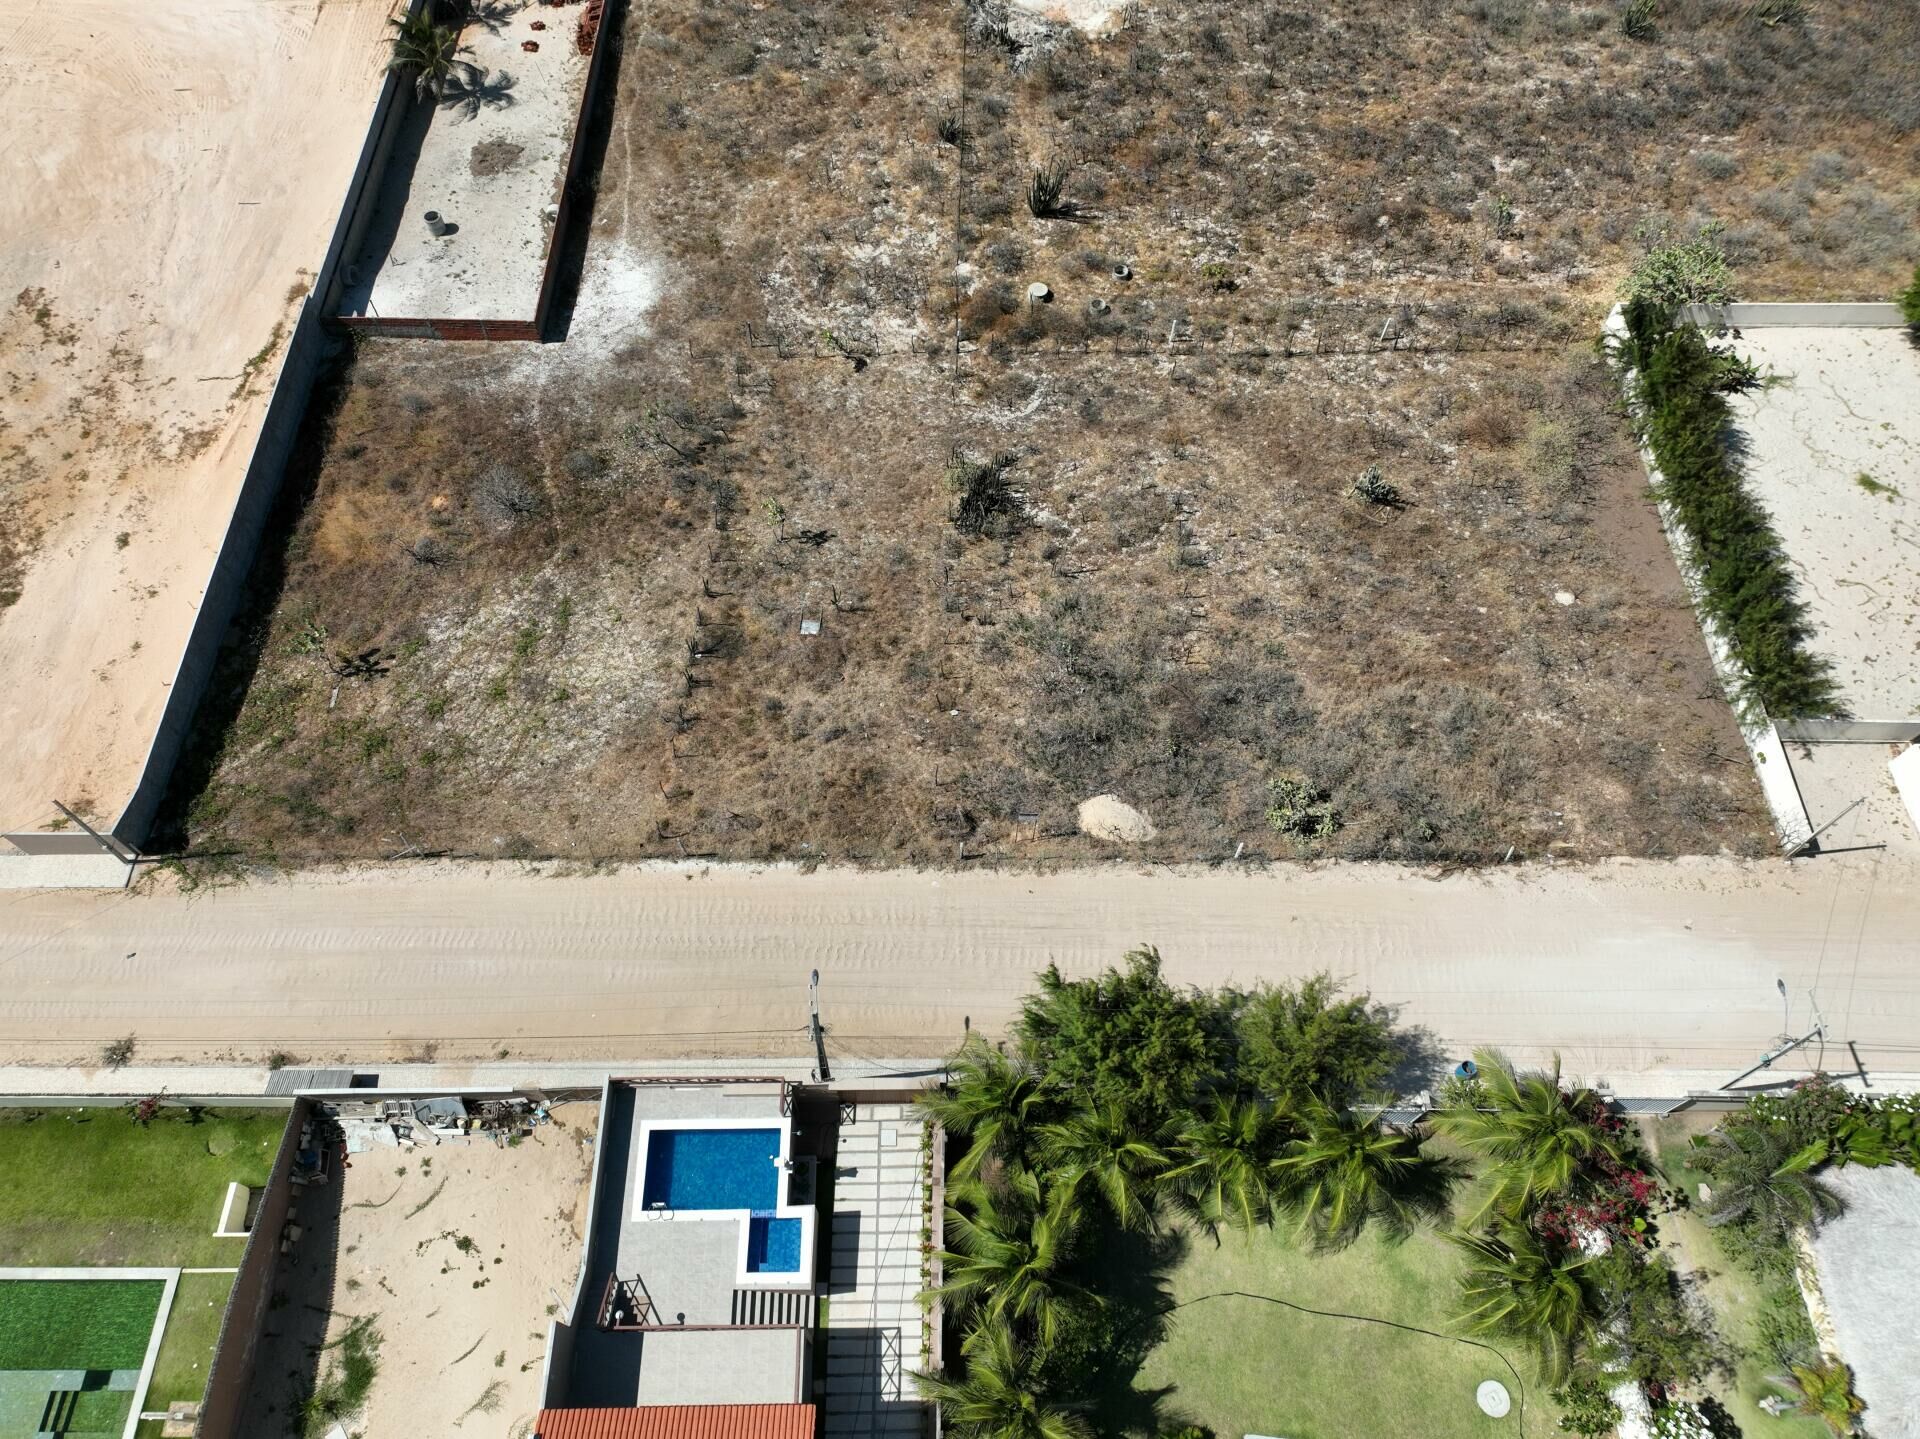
[[679, 1421]]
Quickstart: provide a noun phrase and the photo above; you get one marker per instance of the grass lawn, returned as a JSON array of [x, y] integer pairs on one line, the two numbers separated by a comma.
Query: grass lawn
[[1737, 1297], [1241, 1365], [193, 1328], [90, 1187], [76, 1324]]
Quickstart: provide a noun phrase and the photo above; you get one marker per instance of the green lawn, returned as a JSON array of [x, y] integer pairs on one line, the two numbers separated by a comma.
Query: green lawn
[[193, 1328], [1242, 1365], [1737, 1298], [77, 1324], [84, 1187]]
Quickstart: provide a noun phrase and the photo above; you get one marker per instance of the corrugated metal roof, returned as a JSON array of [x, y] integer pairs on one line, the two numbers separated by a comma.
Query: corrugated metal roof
[[679, 1421]]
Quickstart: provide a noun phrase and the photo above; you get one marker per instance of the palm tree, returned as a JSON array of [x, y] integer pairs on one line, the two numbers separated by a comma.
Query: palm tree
[[1102, 1148], [1349, 1170], [1539, 1135], [1759, 1176], [1520, 1288], [1824, 1391], [990, 1098], [431, 53], [1008, 1262], [998, 1396], [1223, 1164]]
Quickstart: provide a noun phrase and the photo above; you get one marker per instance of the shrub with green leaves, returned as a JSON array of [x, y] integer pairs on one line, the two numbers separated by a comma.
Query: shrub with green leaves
[[1750, 593], [1673, 272], [1306, 1040], [1586, 1408], [1909, 302], [1300, 808]]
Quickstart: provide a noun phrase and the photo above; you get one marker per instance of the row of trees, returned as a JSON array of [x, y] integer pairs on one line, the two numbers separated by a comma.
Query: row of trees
[[1129, 1107]]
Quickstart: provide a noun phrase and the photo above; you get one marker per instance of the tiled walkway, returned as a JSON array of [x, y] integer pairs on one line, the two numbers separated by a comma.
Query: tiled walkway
[[874, 1318]]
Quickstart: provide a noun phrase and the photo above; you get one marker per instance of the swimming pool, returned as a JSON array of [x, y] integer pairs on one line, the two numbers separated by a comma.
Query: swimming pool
[[714, 1169], [773, 1246]]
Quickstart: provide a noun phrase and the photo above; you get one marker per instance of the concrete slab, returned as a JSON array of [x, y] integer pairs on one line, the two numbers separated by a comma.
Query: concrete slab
[[1832, 776], [1869, 1265], [1834, 456], [721, 1366], [489, 158], [63, 871]]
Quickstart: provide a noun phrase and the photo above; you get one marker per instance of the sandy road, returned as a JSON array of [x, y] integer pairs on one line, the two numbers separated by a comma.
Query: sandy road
[[1622, 967]]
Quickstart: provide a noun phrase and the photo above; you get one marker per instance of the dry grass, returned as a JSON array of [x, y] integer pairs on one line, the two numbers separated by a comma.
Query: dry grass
[[571, 611]]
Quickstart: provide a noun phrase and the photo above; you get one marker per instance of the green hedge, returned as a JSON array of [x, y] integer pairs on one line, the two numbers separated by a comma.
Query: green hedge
[[1680, 385]]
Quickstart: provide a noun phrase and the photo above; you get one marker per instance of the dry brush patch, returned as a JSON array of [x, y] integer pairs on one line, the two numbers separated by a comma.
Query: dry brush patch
[[573, 617]]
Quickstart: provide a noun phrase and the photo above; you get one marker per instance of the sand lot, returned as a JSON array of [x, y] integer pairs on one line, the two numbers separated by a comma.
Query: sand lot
[[173, 171], [459, 1252]]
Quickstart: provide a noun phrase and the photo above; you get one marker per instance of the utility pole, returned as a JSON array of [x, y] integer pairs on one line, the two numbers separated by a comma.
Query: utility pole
[[819, 1034], [111, 846], [1819, 1031]]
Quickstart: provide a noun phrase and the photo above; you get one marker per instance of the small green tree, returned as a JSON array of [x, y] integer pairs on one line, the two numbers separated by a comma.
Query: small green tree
[[1824, 1391], [1517, 1286], [1101, 1150], [1125, 1037], [431, 53], [1223, 1164], [1304, 1040], [1587, 1408], [1008, 1260], [1349, 1171], [1761, 1180], [989, 1098], [999, 1396], [1539, 1135], [1909, 302]]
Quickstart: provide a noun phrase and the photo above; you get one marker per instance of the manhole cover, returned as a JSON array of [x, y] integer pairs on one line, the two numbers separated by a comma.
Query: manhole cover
[[1493, 1399]]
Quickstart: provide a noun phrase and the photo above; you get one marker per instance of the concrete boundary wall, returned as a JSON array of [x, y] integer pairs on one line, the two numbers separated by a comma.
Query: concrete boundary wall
[[1740, 315], [556, 1366], [231, 567], [361, 203], [1769, 755], [230, 1376], [1850, 731]]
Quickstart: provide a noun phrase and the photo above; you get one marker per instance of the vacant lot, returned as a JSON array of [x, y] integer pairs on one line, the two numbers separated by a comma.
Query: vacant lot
[[441, 1265], [564, 600]]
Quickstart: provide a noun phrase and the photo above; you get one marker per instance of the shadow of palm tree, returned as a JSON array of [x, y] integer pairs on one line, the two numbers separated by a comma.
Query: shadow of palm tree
[[493, 16], [468, 95], [1129, 1271]]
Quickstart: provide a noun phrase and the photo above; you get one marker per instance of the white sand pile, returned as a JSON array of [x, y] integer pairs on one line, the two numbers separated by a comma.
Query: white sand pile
[[1106, 816]]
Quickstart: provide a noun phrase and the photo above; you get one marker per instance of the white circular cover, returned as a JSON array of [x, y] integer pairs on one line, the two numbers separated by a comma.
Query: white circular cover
[[1493, 1399]]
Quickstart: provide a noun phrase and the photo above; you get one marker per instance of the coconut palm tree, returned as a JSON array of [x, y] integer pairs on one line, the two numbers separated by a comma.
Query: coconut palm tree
[[991, 1099], [1539, 1135], [1349, 1170], [1102, 1149], [1517, 1286], [1760, 1177], [1824, 1391], [1007, 1262], [431, 53], [1223, 1158], [998, 1396]]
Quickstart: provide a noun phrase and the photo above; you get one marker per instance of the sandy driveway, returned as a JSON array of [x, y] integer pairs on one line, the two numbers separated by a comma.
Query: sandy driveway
[[1622, 966]]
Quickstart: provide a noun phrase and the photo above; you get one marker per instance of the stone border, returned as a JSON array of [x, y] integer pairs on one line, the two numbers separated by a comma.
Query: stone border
[[1740, 314], [170, 1281]]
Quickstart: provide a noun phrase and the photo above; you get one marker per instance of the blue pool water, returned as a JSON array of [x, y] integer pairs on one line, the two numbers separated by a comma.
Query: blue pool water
[[773, 1246], [713, 1169]]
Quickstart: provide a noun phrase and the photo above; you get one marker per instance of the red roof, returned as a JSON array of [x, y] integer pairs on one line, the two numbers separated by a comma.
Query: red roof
[[679, 1421]]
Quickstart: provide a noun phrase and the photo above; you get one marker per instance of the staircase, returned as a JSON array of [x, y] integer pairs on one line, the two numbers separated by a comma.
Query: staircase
[[772, 1306], [57, 1417]]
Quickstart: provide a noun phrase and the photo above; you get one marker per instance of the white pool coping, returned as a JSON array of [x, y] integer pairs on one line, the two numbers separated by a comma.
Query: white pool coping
[[743, 1278], [170, 1281]]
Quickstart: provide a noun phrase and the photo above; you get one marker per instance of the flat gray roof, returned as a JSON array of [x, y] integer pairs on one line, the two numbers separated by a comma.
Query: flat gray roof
[[721, 1366]]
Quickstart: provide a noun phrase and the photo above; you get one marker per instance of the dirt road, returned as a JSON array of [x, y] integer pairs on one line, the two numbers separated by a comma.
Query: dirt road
[[1622, 967]]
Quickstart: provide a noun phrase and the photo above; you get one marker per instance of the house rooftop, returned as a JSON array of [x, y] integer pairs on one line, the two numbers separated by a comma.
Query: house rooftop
[[679, 1421]]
